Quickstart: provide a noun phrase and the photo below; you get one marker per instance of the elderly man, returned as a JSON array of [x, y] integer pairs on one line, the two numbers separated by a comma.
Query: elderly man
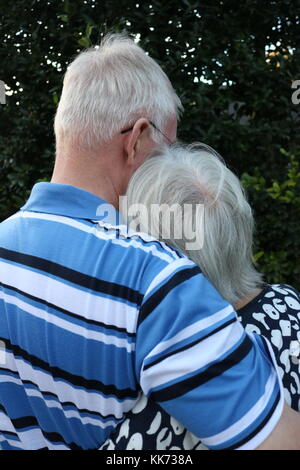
[[90, 315]]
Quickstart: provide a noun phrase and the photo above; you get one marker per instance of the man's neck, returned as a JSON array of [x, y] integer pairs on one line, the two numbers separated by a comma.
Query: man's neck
[[95, 171], [101, 187]]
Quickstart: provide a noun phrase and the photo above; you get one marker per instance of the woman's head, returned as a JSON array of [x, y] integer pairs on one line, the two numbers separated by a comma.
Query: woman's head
[[191, 177]]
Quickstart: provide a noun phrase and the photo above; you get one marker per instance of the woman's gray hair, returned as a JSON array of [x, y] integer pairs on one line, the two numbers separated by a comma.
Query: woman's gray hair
[[194, 175], [110, 86]]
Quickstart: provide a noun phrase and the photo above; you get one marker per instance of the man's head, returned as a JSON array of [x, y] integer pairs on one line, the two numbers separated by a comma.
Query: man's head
[[108, 88], [112, 88]]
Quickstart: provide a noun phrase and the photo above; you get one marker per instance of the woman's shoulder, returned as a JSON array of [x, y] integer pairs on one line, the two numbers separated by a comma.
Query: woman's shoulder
[[271, 293], [289, 294], [275, 307]]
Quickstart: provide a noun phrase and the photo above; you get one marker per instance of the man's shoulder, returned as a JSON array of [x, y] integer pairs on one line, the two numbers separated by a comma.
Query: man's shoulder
[[7, 225], [141, 242], [112, 253], [139, 256]]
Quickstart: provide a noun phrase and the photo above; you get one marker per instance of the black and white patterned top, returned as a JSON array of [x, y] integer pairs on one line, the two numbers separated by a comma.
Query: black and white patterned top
[[275, 314]]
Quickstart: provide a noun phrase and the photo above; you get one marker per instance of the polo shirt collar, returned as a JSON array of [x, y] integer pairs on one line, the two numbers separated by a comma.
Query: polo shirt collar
[[70, 201]]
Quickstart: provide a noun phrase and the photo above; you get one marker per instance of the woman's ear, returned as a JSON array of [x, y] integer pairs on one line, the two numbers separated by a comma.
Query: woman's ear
[[134, 141]]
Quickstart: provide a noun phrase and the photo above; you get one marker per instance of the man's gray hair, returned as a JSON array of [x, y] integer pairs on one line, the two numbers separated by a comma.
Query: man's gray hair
[[107, 88], [194, 175]]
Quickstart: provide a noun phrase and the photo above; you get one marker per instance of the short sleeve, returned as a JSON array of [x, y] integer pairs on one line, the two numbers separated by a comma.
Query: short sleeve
[[195, 359]]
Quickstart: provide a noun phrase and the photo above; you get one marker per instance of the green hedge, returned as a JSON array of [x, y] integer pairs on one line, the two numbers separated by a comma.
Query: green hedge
[[233, 64]]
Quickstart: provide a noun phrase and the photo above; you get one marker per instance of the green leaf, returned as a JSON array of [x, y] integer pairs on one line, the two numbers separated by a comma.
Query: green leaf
[[84, 42]]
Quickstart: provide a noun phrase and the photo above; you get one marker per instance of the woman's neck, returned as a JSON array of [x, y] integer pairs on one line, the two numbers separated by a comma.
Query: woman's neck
[[242, 302]]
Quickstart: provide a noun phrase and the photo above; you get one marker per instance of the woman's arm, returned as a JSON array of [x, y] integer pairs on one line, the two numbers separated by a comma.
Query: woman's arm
[[286, 435]]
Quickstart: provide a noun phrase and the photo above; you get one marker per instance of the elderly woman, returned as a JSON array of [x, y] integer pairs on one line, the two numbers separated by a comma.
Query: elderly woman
[[214, 208]]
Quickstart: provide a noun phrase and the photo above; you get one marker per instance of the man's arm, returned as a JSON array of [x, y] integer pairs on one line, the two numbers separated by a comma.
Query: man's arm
[[286, 435], [194, 358]]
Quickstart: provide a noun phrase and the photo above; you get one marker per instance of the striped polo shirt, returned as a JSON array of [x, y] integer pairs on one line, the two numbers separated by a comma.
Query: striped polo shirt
[[91, 314]]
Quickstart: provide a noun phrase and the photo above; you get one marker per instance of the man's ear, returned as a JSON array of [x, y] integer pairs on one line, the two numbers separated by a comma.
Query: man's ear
[[133, 142]]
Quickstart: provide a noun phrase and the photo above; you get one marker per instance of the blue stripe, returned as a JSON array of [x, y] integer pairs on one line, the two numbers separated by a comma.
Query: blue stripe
[[77, 381], [255, 427], [4, 445], [67, 406], [70, 426], [75, 277], [190, 341], [213, 393], [63, 358], [96, 249], [71, 317], [109, 270], [9, 435], [157, 327], [121, 233], [181, 385], [20, 404], [18, 390]]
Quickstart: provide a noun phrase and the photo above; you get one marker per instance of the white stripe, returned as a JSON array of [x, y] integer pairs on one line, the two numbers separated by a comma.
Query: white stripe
[[32, 438], [75, 300], [68, 326], [254, 413], [10, 379], [193, 359], [127, 232], [55, 404], [51, 403], [17, 215], [5, 423], [266, 431], [33, 442], [81, 398], [97, 232], [192, 329], [167, 271], [274, 362], [13, 443], [249, 418]]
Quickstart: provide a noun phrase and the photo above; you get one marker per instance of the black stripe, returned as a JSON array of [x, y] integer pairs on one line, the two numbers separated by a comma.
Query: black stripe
[[9, 433], [140, 237], [259, 428], [213, 371], [29, 421], [83, 280], [71, 378], [62, 403], [161, 293], [66, 312], [54, 437], [24, 422], [190, 345], [157, 242]]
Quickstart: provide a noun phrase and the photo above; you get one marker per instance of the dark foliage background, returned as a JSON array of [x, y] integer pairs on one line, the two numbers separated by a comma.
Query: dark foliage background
[[231, 62]]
